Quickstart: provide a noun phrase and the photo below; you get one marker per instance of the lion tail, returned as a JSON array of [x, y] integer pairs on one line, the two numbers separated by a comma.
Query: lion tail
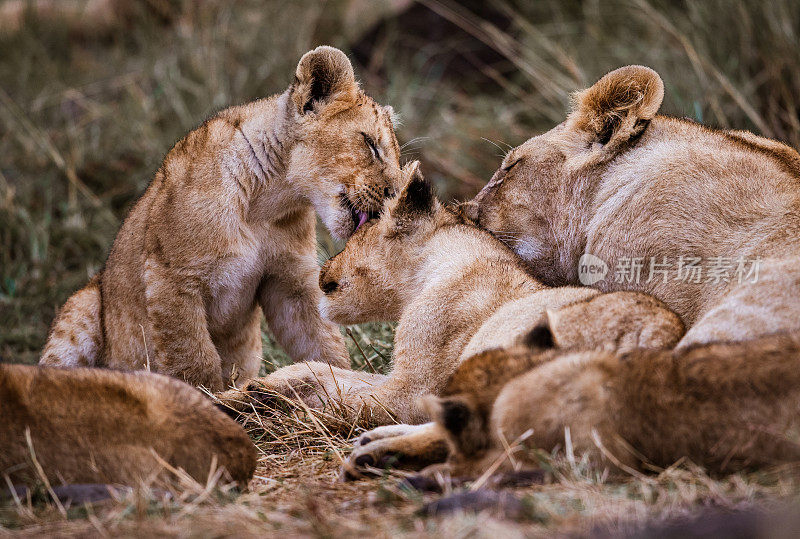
[[76, 336]]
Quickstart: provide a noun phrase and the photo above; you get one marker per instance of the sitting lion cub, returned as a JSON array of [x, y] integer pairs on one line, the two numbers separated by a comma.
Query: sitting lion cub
[[456, 291], [226, 231]]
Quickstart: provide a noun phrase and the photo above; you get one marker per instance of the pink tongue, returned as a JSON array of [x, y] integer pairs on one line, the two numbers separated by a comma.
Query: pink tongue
[[362, 218]]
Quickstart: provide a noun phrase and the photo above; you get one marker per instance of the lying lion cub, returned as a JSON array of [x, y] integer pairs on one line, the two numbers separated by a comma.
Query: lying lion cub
[[226, 231], [100, 426], [456, 291], [724, 406]]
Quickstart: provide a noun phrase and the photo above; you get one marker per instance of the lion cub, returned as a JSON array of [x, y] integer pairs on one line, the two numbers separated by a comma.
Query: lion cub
[[456, 291], [100, 426], [727, 407], [226, 231]]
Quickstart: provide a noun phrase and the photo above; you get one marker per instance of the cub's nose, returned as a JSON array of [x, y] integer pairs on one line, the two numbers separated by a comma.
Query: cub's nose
[[326, 281], [329, 287]]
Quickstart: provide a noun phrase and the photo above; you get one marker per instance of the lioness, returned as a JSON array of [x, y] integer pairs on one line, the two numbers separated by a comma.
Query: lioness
[[226, 231], [456, 291], [711, 218], [100, 426]]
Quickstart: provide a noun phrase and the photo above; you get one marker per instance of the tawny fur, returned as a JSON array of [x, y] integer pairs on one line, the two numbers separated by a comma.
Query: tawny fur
[[618, 181], [226, 231], [456, 291], [615, 180], [100, 426], [725, 406]]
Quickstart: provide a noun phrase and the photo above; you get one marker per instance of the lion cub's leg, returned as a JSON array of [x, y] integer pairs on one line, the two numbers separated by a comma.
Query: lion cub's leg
[[76, 338], [401, 446], [459, 419], [317, 385], [290, 301], [241, 351], [177, 315]]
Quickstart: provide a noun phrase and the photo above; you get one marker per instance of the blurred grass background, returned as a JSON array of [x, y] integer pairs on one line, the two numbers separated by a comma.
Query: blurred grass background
[[89, 106]]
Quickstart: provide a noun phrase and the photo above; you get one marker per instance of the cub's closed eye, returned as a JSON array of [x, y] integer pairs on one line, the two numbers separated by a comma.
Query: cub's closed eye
[[512, 165], [371, 143]]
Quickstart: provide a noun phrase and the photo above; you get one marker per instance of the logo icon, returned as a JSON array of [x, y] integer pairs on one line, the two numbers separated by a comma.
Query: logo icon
[[591, 269]]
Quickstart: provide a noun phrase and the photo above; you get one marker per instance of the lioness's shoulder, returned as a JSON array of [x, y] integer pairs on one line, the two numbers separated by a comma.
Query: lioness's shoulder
[[758, 147]]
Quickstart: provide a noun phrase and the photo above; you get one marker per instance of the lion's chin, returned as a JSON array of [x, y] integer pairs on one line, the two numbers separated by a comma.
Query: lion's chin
[[342, 220], [339, 222]]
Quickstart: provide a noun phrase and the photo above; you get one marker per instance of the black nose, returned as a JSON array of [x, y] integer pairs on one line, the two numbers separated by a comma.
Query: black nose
[[329, 286]]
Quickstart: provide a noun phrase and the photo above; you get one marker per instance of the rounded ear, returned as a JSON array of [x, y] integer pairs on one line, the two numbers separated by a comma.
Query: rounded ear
[[619, 106], [324, 77], [539, 338], [452, 413], [416, 199]]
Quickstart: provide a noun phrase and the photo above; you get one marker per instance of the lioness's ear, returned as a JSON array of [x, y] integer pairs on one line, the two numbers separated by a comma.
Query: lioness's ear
[[619, 106], [324, 77], [417, 198]]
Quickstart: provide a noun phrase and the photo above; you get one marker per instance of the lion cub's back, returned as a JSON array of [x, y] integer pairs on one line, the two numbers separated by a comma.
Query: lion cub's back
[[516, 318], [102, 426]]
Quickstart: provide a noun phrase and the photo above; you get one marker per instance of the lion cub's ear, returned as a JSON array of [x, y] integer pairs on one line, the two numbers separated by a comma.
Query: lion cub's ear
[[458, 416], [324, 82], [619, 106], [416, 200], [468, 211]]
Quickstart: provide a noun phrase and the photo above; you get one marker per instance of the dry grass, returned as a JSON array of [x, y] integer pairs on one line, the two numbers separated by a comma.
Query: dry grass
[[86, 118], [296, 492]]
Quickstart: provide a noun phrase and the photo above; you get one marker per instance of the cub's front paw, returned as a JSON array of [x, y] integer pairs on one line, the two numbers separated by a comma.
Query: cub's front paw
[[408, 447], [236, 401], [386, 431]]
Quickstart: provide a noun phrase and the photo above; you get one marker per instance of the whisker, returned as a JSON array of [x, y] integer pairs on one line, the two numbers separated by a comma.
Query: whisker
[[413, 148], [413, 140], [510, 147], [503, 151]]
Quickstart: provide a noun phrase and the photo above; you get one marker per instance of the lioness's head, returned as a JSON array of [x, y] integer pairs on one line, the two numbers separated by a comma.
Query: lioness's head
[[345, 157], [528, 201], [372, 277]]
